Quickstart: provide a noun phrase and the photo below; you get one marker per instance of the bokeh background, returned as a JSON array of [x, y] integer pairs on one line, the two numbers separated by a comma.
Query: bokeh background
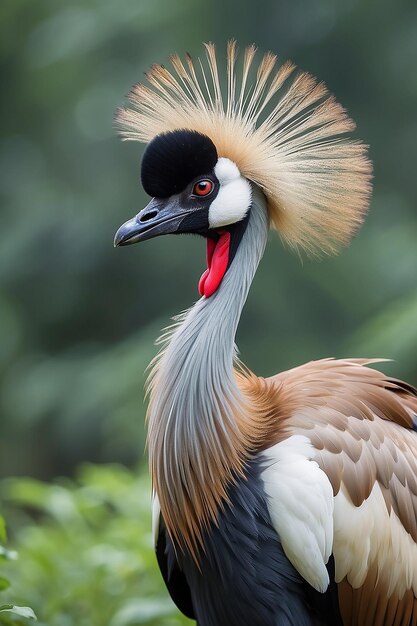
[[79, 319]]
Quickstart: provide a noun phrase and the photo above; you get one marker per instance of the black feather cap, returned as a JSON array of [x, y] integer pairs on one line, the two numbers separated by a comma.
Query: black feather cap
[[173, 160]]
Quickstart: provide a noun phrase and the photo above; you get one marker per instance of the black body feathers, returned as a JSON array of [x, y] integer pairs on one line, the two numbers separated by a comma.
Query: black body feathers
[[245, 577]]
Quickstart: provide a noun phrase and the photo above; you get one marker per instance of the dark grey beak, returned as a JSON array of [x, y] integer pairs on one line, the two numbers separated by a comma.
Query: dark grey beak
[[159, 217]]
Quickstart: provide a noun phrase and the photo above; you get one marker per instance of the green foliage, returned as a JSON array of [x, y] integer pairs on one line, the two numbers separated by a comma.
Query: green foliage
[[10, 613], [85, 550]]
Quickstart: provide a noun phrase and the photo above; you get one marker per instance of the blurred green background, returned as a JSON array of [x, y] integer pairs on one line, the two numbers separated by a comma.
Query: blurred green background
[[79, 319]]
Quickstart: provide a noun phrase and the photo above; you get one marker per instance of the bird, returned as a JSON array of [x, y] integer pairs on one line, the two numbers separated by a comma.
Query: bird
[[282, 500]]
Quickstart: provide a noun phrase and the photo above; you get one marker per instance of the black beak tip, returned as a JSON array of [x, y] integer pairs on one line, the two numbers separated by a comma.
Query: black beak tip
[[118, 240], [126, 234]]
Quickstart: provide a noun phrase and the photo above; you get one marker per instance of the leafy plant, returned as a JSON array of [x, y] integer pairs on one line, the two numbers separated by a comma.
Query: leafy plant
[[10, 613], [86, 551]]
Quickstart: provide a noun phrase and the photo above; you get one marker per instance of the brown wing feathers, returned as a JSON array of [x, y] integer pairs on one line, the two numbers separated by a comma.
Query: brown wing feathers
[[370, 606], [361, 424], [355, 411]]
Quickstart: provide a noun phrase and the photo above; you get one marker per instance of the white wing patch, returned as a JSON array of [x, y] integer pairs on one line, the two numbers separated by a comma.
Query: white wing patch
[[301, 507], [369, 536], [234, 198]]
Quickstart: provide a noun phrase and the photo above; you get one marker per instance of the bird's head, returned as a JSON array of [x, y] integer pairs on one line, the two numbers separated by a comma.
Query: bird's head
[[194, 191], [283, 133]]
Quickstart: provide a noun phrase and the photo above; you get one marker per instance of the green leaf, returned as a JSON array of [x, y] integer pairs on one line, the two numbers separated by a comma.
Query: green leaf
[[3, 534], [22, 611], [4, 583]]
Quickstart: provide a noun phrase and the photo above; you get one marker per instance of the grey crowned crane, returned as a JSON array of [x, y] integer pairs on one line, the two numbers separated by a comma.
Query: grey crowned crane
[[289, 500]]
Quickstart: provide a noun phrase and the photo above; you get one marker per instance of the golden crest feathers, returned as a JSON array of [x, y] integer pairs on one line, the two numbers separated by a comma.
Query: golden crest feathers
[[283, 130]]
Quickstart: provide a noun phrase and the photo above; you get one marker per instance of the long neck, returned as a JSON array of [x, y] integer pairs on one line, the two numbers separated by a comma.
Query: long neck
[[199, 436]]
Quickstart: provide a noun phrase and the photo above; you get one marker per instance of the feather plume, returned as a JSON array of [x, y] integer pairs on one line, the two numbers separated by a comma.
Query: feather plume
[[284, 131]]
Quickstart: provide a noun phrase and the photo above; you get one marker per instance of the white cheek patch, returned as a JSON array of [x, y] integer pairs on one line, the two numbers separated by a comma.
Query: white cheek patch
[[234, 198]]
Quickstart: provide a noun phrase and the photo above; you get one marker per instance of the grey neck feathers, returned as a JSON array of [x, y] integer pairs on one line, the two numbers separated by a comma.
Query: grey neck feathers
[[193, 431]]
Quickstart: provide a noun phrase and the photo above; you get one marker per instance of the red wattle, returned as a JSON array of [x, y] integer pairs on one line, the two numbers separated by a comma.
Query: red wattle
[[217, 261]]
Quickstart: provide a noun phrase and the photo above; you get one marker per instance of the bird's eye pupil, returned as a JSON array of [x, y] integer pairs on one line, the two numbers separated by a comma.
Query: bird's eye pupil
[[203, 188]]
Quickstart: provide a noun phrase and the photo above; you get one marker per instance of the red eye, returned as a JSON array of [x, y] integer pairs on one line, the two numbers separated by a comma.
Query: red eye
[[203, 188]]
